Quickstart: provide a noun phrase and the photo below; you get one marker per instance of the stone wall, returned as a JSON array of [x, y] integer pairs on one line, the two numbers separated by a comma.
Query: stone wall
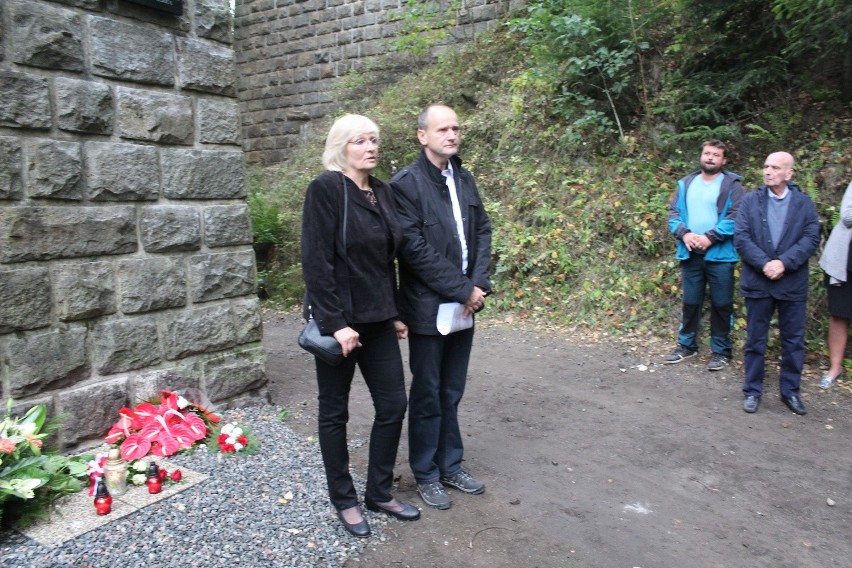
[[292, 53], [125, 242]]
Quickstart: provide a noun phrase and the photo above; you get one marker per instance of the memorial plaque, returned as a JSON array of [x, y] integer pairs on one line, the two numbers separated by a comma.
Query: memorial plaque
[[172, 6]]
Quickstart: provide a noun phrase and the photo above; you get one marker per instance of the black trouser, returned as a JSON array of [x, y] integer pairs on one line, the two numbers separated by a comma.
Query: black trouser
[[380, 363]]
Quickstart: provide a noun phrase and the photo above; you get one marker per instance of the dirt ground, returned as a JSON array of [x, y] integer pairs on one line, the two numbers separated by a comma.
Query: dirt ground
[[595, 455]]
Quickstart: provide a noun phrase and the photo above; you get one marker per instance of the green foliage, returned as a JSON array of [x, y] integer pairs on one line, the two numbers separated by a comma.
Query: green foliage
[[425, 24], [275, 204], [817, 27], [578, 208], [31, 479]]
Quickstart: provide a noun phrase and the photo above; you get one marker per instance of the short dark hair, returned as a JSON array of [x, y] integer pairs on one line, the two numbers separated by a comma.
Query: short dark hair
[[716, 144], [423, 117]]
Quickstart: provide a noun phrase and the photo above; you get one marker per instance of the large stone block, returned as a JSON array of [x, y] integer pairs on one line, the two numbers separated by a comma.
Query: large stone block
[[90, 5], [91, 410], [124, 345], [152, 284], [155, 117], [85, 290], [45, 361], [167, 228], [46, 36], [224, 275], [84, 106], [26, 103], [130, 52], [202, 174], [11, 164], [122, 172], [227, 225], [24, 299], [205, 67], [55, 170], [148, 384], [213, 20], [44, 233], [195, 331], [247, 320], [235, 374], [218, 122]]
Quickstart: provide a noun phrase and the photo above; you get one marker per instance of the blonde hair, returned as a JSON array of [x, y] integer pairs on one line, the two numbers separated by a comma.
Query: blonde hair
[[342, 131]]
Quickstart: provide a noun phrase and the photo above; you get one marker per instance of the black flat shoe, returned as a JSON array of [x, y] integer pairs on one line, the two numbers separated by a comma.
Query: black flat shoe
[[360, 530], [795, 404], [408, 513]]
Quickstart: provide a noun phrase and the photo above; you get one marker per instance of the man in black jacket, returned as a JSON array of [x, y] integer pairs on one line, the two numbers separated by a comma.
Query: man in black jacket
[[445, 257]]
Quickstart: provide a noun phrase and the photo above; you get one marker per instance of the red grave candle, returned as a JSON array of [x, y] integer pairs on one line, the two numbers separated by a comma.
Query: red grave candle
[[103, 500]]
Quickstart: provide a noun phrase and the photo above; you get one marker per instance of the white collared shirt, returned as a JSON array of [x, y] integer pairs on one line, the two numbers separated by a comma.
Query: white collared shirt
[[778, 197], [454, 198]]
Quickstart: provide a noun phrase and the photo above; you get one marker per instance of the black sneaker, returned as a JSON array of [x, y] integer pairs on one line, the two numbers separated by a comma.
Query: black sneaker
[[434, 495], [718, 362], [680, 354], [464, 482]]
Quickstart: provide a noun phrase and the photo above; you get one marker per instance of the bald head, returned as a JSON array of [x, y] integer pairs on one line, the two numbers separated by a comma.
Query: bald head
[[777, 171], [439, 134]]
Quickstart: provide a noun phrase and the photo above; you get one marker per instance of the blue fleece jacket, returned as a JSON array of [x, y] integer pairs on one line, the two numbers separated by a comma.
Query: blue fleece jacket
[[722, 235]]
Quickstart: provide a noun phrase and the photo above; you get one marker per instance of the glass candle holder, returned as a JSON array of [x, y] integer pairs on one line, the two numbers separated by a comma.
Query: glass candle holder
[[103, 500], [115, 473], [155, 484]]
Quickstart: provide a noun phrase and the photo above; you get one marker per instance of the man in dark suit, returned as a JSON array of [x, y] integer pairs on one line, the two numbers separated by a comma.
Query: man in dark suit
[[445, 257], [777, 231]]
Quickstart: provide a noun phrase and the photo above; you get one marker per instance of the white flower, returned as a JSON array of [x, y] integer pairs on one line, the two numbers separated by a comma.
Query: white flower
[[21, 487], [27, 429], [138, 479], [94, 467], [238, 446], [182, 402], [227, 428]]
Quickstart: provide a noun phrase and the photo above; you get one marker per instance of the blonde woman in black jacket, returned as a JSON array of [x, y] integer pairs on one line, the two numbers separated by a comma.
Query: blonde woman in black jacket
[[351, 295]]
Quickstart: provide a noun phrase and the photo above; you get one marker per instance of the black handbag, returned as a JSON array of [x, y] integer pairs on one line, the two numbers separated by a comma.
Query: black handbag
[[326, 347]]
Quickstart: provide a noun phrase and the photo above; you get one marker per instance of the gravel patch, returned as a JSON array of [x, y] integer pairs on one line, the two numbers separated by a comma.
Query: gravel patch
[[266, 509]]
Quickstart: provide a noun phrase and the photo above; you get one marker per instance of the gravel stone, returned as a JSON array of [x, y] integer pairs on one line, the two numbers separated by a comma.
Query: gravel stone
[[239, 515]]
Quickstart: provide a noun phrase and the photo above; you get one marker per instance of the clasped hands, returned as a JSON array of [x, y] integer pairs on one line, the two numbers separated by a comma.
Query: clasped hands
[[696, 241], [774, 269]]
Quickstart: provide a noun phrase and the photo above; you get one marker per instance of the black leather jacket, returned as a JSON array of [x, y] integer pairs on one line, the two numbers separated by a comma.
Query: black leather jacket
[[430, 256]]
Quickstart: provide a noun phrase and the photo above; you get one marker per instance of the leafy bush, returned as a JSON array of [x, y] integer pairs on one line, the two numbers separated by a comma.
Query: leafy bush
[[31, 479], [580, 232]]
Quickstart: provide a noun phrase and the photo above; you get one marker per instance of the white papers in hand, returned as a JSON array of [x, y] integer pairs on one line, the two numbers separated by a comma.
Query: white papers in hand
[[451, 318]]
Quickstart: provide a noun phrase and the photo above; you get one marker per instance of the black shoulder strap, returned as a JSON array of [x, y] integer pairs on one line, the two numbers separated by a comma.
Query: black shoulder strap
[[343, 238]]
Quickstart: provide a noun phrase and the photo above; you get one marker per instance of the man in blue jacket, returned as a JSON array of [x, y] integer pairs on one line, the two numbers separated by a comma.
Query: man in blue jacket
[[777, 231], [701, 217], [445, 257]]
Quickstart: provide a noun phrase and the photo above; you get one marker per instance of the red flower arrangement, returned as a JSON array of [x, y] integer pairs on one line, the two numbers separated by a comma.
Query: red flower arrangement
[[232, 439], [160, 428]]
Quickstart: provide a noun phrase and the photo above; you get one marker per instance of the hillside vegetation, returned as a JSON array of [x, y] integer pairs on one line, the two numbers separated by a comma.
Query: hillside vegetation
[[578, 117]]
